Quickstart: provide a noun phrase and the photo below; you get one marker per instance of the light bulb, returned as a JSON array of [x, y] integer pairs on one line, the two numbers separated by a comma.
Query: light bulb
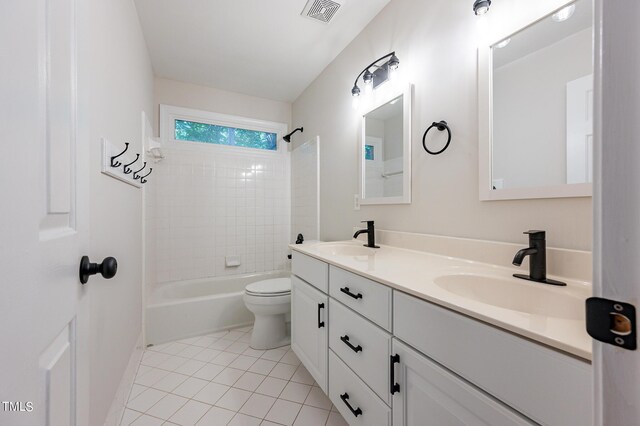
[[355, 104]]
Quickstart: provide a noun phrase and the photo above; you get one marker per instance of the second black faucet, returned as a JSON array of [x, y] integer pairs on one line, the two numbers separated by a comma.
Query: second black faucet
[[371, 234]]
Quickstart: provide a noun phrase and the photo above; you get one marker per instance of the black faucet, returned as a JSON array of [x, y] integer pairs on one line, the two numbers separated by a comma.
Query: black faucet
[[371, 234], [300, 239], [538, 262]]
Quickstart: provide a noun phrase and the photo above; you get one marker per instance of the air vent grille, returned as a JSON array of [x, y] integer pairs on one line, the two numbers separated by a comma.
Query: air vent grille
[[321, 10]]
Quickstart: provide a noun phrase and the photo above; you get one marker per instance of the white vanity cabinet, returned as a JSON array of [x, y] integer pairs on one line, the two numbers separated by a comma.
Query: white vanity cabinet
[[386, 358], [309, 329], [427, 394], [544, 385]]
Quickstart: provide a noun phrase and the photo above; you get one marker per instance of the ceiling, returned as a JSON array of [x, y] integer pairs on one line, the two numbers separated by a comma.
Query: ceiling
[[256, 47]]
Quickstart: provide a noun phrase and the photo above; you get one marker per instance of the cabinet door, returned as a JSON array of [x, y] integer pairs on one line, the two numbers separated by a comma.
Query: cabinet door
[[309, 329], [430, 395]]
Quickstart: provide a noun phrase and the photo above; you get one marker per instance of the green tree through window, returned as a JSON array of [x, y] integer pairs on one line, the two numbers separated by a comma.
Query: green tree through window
[[210, 133]]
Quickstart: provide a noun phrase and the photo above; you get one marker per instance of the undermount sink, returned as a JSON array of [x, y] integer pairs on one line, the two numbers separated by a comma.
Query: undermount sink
[[345, 249], [526, 297]]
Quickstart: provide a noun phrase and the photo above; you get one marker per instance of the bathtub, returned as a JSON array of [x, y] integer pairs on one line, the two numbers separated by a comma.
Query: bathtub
[[182, 309]]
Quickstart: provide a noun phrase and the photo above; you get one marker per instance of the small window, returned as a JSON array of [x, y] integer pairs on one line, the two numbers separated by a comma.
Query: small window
[[193, 131], [368, 152]]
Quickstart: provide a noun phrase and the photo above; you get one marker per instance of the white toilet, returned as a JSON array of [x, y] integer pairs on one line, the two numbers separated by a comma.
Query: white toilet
[[270, 302]]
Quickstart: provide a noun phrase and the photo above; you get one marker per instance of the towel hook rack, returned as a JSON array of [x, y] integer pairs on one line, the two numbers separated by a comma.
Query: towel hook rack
[[135, 174], [115, 163], [142, 178], [126, 168]]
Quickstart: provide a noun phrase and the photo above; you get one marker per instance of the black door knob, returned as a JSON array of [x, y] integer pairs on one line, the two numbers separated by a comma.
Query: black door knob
[[107, 268]]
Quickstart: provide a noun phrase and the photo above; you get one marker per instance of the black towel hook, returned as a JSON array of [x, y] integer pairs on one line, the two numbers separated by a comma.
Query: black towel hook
[[126, 168], [142, 178], [115, 163], [135, 174], [441, 125]]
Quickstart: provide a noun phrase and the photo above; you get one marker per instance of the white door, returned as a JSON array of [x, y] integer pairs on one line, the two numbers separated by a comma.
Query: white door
[[427, 394], [580, 130], [44, 217], [616, 201], [309, 336]]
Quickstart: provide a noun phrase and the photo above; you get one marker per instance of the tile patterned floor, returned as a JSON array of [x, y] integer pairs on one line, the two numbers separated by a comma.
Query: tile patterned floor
[[218, 379]]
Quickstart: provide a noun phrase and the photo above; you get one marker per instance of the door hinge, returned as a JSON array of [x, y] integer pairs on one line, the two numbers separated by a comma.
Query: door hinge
[[612, 322]]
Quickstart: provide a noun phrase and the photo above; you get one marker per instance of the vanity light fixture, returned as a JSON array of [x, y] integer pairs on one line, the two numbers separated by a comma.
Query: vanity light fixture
[[381, 74], [287, 138], [564, 13], [480, 7]]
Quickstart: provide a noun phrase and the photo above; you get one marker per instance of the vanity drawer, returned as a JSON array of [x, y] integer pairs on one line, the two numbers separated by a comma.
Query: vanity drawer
[[369, 298], [368, 355], [545, 385], [312, 270], [347, 388]]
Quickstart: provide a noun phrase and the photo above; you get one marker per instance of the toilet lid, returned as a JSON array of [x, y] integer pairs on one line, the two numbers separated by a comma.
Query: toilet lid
[[273, 286]]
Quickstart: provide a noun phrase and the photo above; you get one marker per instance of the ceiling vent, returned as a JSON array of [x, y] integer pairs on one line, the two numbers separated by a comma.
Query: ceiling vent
[[321, 10]]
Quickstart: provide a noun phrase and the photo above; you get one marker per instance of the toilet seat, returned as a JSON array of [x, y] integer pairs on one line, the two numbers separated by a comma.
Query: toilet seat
[[269, 288]]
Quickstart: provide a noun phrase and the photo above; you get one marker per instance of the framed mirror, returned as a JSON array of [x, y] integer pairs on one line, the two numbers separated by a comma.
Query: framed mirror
[[536, 108], [385, 150]]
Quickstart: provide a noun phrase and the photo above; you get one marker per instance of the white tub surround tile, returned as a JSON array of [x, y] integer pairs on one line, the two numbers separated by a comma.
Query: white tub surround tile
[[210, 203]]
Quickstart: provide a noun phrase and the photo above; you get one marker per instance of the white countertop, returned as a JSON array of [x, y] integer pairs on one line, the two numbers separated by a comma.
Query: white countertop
[[417, 273]]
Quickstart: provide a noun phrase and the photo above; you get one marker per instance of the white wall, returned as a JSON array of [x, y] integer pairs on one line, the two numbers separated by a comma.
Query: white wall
[[530, 120], [116, 67], [436, 42], [176, 93]]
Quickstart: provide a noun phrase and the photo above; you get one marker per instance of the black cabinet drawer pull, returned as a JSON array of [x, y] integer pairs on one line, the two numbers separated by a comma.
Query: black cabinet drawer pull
[[346, 291], [320, 323], [345, 340], [392, 379], [344, 398]]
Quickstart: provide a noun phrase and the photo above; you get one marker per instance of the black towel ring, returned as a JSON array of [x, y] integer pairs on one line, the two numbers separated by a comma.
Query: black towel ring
[[441, 125]]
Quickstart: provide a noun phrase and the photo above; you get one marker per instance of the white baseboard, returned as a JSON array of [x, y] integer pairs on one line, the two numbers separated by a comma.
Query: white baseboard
[[122, 395]]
